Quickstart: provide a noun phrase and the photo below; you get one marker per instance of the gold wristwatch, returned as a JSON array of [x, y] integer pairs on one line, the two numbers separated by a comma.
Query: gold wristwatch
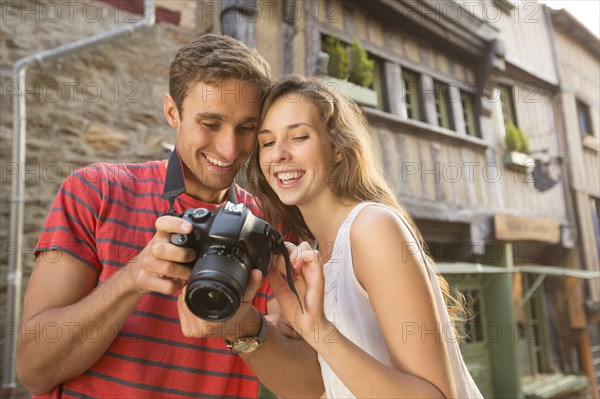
[[251, 343]]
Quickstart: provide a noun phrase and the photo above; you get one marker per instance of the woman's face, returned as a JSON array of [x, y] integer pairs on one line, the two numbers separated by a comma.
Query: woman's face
[[295, 155]]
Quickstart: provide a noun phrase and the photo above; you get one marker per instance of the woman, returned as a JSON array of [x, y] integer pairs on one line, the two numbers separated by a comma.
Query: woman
[[372, 307]]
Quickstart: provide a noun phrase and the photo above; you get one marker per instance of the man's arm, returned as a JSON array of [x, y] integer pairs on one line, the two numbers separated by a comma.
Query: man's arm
[[62, 301], [286, 363]]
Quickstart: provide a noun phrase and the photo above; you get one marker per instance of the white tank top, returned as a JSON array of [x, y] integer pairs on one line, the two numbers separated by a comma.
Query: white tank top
[[348, 307]]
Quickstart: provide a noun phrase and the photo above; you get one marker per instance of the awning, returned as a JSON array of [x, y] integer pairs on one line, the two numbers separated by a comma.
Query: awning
[[547, 386], [478, 268]]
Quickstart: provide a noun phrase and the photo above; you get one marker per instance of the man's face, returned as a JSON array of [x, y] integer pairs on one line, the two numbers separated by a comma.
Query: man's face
[[215, 134]]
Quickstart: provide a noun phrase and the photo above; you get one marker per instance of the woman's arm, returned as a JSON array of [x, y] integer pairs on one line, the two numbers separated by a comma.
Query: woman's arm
[[399, 291]]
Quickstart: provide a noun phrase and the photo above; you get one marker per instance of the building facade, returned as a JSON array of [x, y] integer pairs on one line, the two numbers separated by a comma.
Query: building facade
[[578, 109]]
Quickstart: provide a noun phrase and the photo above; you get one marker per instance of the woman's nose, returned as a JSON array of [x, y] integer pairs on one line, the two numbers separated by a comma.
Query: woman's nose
[[279, 152]]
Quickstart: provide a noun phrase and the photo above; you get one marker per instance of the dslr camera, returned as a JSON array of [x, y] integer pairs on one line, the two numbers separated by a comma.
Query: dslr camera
[[229, 243]]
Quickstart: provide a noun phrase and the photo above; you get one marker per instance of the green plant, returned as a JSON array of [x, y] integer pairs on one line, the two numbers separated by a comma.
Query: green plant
[[524, 142], [515, 140], [361, 67], [338, 59]]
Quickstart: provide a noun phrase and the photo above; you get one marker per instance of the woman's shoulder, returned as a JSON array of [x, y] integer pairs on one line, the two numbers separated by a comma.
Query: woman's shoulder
[[381, 229], [375, 219]]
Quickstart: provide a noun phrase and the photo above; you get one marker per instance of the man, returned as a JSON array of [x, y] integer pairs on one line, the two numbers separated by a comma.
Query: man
[[101, 313]]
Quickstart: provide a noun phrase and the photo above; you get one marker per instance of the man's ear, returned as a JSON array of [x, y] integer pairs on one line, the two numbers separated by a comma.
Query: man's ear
[[171, 112]]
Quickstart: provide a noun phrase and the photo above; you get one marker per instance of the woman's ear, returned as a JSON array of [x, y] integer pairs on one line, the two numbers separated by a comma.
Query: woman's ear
[[338, 156], [171, 112]]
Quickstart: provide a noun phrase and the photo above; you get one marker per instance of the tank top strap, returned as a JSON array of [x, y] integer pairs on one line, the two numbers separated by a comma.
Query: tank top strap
[[343, 236]]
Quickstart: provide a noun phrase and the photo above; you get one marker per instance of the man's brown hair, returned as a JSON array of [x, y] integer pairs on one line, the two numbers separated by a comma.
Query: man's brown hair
[[212, 59]]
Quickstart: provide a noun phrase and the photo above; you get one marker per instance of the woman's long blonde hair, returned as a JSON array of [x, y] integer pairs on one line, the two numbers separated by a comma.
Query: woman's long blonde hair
[[357, 177]]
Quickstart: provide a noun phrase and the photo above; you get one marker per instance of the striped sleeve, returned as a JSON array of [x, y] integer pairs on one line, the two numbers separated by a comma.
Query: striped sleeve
[[71, 223]]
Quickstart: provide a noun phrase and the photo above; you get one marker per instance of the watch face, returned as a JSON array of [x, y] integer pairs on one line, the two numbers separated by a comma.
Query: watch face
[[245, 345]]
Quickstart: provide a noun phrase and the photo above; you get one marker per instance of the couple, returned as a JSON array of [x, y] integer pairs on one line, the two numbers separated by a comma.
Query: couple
[[104, 314]]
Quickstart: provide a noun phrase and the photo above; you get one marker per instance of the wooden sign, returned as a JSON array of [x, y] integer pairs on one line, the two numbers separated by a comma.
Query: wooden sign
[[519, 228]]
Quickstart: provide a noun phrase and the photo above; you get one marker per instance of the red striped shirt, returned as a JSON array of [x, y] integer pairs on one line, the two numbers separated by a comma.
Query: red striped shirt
[[104, 215]]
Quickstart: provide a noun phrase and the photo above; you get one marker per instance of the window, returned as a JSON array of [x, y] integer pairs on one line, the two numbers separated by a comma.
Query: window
[[595, 208], [443, 108], [466, 98], [585, 122], [508, 107], [411, 94], [533, 330], [473, 325]]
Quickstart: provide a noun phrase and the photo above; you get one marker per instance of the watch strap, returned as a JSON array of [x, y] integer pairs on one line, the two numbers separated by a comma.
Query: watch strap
[[259, 338]]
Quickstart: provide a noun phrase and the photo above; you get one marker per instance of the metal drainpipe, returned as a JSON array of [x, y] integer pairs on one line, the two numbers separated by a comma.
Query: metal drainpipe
[[17, 197]]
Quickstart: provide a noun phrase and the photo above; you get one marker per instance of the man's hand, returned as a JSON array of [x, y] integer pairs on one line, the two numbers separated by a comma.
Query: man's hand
[[158, 268], [245, 322]]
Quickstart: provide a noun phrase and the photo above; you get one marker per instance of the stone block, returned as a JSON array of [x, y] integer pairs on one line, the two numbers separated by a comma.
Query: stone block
[[102, 137]]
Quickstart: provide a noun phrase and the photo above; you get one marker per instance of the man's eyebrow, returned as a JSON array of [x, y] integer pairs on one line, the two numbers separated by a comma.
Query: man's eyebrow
[[209, 115], [220, 117], [288, 127]]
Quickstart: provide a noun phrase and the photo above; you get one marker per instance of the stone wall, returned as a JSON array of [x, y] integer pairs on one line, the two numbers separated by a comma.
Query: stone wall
[[103, 104]]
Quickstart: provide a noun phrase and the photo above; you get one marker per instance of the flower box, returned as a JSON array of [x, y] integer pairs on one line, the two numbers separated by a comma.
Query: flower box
[[361, 95], [518, 161]]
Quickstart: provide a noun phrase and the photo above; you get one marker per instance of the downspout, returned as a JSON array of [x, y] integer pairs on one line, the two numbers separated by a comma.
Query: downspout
[[17, 196]]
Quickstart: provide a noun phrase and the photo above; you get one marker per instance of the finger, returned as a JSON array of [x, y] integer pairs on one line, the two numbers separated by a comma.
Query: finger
[[164, 268], [167, 286], [167, 225], [293, 251], [290, 246], [254, 282], [168, 251]]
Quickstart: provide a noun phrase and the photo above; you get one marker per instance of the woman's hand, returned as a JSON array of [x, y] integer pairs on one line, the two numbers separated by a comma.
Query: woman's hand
[[309, 281]]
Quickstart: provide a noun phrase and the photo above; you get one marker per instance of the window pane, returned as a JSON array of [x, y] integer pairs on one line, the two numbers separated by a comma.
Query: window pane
[[442, 105], [466, 99], [583, 115], [507, 105], [411, 94]]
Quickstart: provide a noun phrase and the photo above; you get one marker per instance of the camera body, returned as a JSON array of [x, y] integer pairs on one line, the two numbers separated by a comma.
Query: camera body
[[229, 242]]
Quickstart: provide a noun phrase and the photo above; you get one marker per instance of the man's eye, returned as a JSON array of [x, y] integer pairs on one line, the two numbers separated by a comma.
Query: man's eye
[[210, 126], [246, 129]]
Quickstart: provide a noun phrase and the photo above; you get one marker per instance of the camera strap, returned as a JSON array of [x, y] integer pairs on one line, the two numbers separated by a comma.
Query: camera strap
[[280, 247], [174, 182]]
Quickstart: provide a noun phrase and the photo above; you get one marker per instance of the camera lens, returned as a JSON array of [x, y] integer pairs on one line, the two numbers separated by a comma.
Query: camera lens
[[216, 286], [211, 300]]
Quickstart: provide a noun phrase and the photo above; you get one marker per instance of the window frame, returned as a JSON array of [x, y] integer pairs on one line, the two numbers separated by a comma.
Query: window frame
[[583, 110]]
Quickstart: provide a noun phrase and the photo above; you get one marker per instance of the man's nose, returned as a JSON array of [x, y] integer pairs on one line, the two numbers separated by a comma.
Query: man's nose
[[228, 145]]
